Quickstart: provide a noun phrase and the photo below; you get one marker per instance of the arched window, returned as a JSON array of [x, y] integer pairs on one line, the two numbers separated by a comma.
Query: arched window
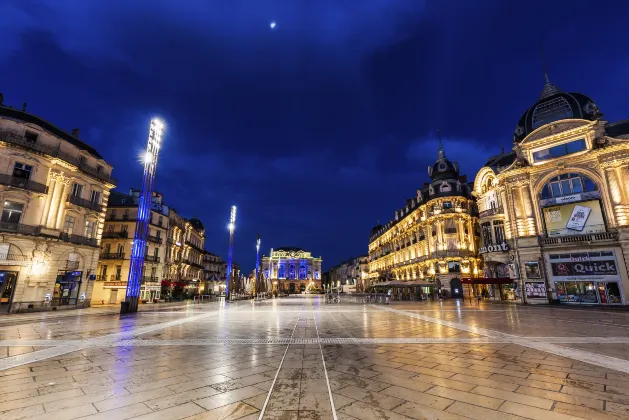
[[302, 272], [292, 272], [567, 184], [445, 187], [281, 272]]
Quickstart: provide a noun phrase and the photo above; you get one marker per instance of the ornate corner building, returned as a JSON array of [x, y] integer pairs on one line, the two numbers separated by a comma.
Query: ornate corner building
[[292, 270], [53, 192], [432, 242], [554, 212]]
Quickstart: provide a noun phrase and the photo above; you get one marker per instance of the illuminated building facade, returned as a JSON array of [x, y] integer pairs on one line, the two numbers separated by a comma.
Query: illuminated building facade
[[351, 275], [213, 274], [432, 241], [292, 270], [184, 257], [114, 260], [554, 212], [53, 193]]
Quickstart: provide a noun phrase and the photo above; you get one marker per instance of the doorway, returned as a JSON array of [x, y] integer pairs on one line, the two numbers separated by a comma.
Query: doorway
[[113, 296], [7, 288], [291, 288]]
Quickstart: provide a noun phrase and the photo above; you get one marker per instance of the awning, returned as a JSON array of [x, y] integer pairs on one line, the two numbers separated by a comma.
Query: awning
[[487, 280]]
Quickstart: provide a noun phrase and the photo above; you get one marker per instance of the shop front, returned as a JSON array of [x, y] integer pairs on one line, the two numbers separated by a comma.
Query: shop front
[[67, 288], [150, 292], [8, 280], [496, 288], [591, 277]]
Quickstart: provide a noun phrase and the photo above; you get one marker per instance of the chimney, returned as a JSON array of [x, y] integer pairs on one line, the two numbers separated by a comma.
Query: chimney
[[24, 107], [75, 132], [1, 98]]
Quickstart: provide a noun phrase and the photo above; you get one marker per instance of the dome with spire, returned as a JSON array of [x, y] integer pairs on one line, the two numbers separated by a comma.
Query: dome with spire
[[555, 105], [443, 168]]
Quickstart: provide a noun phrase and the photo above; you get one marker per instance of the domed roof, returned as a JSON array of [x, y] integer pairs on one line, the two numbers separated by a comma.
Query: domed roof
[[443, 168], [196, 223], [554, 105]]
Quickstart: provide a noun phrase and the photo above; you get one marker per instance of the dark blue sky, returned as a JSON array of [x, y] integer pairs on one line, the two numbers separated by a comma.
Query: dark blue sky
[[316, 129]]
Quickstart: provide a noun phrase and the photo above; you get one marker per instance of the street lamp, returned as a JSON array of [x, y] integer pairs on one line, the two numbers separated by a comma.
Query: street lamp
[[230, 253], [138, 249]]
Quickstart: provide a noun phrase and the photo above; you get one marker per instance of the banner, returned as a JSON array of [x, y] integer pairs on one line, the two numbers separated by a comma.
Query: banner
[[574, 218]]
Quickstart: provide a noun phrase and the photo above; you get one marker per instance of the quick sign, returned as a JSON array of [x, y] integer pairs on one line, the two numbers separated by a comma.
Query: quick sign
[[587, 268], [503, 247]]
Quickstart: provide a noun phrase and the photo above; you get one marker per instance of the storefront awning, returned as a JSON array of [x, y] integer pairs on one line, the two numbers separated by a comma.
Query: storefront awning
[[487, 280]]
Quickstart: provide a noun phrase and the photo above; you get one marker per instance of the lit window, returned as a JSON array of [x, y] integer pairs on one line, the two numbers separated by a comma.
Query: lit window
[[89, 228], [560, 150], [68, 225], [12, 212], [77, 190]]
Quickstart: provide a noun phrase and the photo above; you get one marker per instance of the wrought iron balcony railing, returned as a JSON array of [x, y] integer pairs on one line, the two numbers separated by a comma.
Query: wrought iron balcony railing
[[491, 212], [151, 258], [110, 234], [111, 255], [155, 239], [78, 239], [23, 183], [84, 203], [20, 228]]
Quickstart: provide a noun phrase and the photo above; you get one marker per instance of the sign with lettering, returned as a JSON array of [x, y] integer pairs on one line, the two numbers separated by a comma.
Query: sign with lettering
[[586, 268], [503, 247], [114, 284]]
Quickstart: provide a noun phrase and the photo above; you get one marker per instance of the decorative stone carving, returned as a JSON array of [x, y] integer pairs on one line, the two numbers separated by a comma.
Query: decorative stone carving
[[555, 128]]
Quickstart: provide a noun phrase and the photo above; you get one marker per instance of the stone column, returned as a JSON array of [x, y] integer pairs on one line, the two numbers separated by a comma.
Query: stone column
[[470, 232], [54, 204], [51, 188], [62, 206]]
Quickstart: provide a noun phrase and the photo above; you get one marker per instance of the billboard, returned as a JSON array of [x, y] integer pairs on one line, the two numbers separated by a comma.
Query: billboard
[[574, 218]]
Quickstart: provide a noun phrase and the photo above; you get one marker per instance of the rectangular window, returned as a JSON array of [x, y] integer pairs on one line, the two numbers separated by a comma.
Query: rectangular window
[[95, 197], [21, 170], [560, 150], [68, 225], [499, 231], [447, 204], [577, 185], [90, 226], [103, 272], [120, 249], [12, 212], [77, 190], [486, 234], [118, 272], [82, 160]]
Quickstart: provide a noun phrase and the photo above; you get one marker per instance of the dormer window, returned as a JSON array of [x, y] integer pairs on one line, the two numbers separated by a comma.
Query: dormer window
[[30, 136], [560, 150]]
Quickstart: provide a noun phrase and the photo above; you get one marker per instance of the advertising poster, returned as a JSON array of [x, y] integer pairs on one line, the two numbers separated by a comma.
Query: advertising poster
[[532, 270], [535, 290], [574, 218]]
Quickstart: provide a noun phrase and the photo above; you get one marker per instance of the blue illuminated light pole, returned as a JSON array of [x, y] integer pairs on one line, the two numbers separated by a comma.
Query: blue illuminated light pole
[[230, 253], [257, 278], [144, 217]]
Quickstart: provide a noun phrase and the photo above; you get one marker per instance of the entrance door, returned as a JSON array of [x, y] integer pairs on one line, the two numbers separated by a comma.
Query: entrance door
[[292, 288], [456, 288], [302, 287], [7, 287], [113, 296]]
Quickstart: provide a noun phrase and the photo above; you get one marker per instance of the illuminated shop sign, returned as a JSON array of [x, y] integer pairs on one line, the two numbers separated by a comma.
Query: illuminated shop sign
[[503, 247], [584, 266]]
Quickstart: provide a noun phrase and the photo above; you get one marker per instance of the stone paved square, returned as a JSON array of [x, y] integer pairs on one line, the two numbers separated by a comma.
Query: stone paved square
[[299, 358]]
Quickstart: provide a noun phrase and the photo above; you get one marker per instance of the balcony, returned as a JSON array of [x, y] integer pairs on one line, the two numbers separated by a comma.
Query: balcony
[[110, 234], [119, 218], [110, 277], [77, 239], [84, 203], [21, 141], [149, 279], [192, 245], [192, 263], [23, 183], [154, 239], [20, 228], [14, 257], [151, 258], [491, 212], [576, 239], [111, 255]]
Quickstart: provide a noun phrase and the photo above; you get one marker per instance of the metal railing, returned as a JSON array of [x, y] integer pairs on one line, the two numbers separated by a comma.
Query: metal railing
[[111, 255], [491, 212], [151, 258], [591, 237], [23, 183], [149, 279], [155, 239], [111, 234], [195, 246], [78, 239], [84, 203], [20, 228], [19, 140]]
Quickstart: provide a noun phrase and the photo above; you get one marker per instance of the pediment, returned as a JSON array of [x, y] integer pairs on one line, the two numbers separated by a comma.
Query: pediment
[[555, 128]]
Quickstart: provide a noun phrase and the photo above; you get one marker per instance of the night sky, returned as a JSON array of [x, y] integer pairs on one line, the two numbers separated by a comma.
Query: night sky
[[315, 129]]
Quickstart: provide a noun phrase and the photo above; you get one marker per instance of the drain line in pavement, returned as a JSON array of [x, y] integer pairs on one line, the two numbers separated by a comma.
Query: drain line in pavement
[[268, 397], [325, 369]]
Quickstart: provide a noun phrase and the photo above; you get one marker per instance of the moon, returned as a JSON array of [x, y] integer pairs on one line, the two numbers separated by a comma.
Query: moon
[[273, 24]]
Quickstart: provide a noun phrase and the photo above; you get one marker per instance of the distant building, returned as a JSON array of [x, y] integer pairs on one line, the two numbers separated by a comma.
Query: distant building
[[184, 260], [351, 275], [554, 212], [213, 273], [115, 256], [292, 270], [53, 192], [432, 242]]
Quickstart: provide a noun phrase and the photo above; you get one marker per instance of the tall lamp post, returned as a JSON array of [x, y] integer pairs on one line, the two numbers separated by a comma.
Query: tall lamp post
[[257, 259], [144, 217], [230, 252]]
